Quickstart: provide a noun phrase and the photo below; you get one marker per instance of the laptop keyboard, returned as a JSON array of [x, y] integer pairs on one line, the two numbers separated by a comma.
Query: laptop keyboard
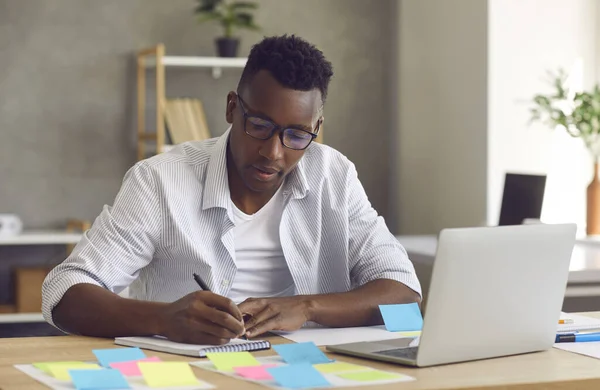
[[404, 353]]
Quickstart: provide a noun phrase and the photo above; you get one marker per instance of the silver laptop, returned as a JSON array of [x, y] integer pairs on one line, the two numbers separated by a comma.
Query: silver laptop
[[495, 291]]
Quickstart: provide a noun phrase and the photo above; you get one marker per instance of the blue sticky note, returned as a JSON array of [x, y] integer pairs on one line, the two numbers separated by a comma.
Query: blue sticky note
[[103, 379], [298, 376], [402, 318], [117, 355], [301, 353]]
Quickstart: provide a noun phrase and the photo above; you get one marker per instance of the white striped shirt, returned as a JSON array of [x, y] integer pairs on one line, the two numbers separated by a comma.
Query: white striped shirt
[[173, 217]]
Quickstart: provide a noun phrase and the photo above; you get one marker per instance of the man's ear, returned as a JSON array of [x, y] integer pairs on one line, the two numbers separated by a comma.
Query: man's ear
[[231, 105]]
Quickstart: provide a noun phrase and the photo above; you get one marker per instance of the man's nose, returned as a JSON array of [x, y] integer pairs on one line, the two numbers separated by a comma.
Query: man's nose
[[272, 148]]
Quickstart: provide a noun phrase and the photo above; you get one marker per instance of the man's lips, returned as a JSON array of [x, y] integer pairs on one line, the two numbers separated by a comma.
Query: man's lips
[[266, 169]]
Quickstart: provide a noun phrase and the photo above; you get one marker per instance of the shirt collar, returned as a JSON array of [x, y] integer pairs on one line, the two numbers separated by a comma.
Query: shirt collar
[[216, 189]]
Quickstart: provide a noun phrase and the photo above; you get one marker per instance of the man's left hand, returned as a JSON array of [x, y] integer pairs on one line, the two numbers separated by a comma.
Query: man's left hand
[[266, 314]]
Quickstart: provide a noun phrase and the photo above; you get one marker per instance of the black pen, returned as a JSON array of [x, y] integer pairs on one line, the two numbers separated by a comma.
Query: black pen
[[204, 287]]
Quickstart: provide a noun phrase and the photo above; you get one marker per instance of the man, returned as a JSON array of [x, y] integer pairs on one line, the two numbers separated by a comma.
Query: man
[[278, 228]]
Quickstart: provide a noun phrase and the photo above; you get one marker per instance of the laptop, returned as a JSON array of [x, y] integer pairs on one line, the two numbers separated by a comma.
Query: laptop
[[495, 291]]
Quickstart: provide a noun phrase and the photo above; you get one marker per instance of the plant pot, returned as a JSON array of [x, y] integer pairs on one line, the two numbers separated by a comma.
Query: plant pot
[[227, 47], [593, 203]]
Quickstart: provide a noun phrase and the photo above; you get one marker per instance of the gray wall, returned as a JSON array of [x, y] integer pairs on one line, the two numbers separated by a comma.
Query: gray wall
[[67, 91], [67, 94]]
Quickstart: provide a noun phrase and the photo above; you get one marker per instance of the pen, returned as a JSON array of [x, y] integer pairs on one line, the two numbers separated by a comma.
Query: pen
[[204, 287], [566, 321], [577, 338]]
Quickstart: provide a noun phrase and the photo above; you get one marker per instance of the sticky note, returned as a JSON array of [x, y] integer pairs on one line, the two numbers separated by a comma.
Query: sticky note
[[131, 368], [301, 353], [115, 355], [402, 318], [226, 361], [414, 333], [298, 376], [61, 371], [328, 368], [44, 366], [167, 374], [102, 379], [257, 373], [369, 376]]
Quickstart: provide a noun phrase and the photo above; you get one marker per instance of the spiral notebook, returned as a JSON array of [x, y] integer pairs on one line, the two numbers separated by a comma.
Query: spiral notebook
[[163, 345]]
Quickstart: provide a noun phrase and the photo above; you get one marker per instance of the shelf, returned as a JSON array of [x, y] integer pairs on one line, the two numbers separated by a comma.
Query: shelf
[[42, 237], [216, 63], [21, 318]]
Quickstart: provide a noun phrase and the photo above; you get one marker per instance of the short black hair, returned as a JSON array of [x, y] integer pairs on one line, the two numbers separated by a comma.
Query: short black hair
[[292, 61]]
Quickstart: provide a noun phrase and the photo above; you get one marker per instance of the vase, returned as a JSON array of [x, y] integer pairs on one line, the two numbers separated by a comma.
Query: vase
[[227, 47], [593, 203]]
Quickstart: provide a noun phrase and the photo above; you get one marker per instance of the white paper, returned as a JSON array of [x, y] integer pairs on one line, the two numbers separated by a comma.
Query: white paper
[[334, 336], [334, 380], [588, 348], [134, 382]]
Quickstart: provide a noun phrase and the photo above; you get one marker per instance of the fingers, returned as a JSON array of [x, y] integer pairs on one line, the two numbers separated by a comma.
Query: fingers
[[258, 319], [252, 306], [220, 319], [220, 302], [273, 323]]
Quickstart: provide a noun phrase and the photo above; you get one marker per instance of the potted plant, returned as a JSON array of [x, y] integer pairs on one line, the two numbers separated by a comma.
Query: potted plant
[[230, 14], [579, 114]]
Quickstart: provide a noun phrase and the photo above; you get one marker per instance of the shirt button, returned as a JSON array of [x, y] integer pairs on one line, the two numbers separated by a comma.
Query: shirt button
[[225, 283]]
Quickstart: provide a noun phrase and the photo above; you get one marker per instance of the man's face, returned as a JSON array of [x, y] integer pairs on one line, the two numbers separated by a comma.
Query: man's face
[[263, 164]]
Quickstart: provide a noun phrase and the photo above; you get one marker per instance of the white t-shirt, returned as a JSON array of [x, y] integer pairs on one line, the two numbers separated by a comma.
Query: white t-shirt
[[261, 267]]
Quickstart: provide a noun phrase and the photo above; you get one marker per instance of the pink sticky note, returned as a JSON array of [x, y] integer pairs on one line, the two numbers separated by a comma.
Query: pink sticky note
[[258, 373], [131, 368]]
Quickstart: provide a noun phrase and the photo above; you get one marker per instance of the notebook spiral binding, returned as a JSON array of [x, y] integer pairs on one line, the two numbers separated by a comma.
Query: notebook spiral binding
[[251, 346]]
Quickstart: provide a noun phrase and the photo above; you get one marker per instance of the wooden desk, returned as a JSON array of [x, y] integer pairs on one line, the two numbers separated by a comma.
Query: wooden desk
[[553, 369]]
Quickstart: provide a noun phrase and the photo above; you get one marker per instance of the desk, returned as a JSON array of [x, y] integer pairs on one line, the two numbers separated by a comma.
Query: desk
[[584, 270], [553, 369]]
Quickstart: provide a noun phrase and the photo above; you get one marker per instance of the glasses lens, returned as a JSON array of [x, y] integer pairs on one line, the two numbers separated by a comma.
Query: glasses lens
[[259, 128], [296, 139]]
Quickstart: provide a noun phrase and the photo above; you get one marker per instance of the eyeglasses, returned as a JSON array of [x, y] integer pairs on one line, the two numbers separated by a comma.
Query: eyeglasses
[[291, 138]]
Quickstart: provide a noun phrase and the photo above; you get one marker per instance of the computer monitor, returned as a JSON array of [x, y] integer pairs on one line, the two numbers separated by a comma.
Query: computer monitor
[[522, 198]]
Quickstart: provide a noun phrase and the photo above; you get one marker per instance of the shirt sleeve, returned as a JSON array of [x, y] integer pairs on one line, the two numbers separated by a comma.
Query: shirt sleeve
[[374, 252], [121, 241]]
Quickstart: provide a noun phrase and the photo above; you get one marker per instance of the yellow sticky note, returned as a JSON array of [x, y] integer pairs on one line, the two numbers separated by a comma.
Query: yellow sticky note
[[328, 368], [44, 365], [167, 374], [61, 371], [414, 333], [369, 376], [226, 361]]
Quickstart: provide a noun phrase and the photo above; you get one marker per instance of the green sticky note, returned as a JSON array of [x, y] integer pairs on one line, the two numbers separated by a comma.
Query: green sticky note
[[61, 371], [328, 368], [167, 374], [369, 376], [44, 365], [226, 361]]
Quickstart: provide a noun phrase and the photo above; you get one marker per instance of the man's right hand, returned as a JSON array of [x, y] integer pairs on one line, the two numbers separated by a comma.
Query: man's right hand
[[202, 317]]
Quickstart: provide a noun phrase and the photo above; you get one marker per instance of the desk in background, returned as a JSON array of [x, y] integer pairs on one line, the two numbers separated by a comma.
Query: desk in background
[[554, 369], [583, 288]]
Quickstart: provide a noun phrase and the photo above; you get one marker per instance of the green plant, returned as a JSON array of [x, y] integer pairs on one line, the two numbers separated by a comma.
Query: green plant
[[236, 14], [578, 113]]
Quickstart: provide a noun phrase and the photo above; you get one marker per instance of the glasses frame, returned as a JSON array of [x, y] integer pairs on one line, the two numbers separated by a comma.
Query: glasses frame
[[276, 127]]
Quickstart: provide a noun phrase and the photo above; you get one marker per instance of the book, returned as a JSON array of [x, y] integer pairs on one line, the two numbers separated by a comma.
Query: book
[[161, 344]]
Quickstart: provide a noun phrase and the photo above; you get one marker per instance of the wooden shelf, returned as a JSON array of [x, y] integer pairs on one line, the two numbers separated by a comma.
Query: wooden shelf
[[42, 237]]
